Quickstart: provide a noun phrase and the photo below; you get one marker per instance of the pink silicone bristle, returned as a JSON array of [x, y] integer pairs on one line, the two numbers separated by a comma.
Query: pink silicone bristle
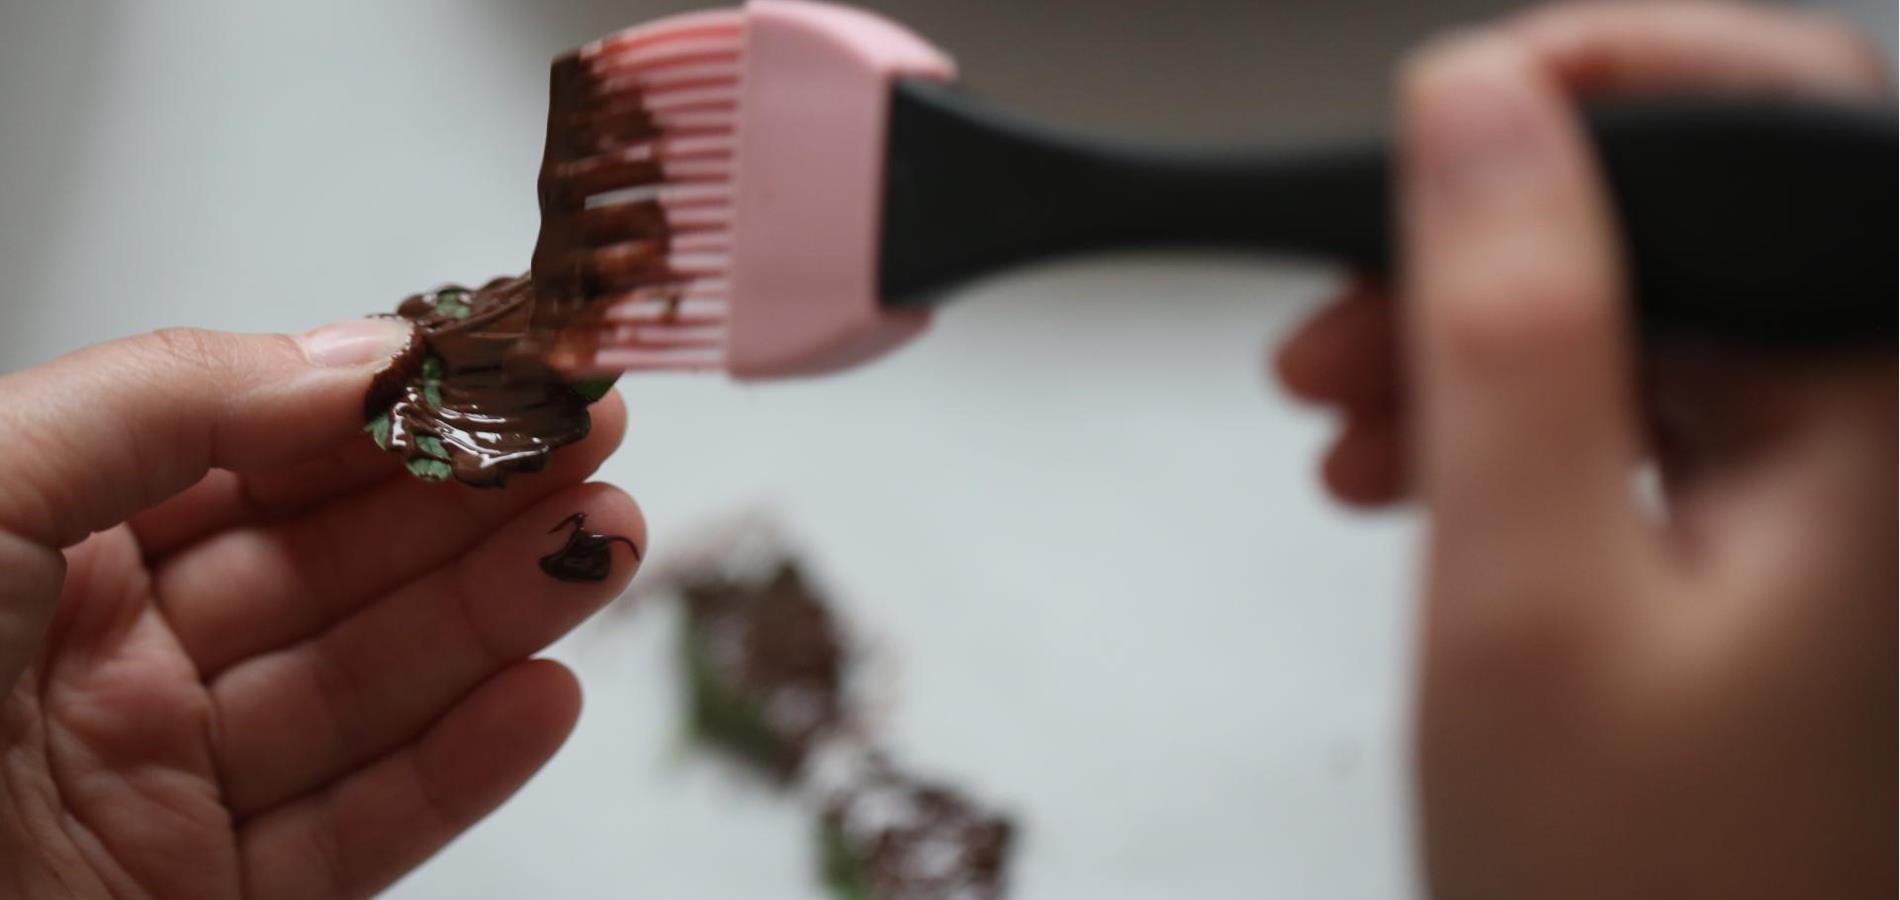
[[680, 25], [660, 58], [682, 75], [694, 217], [694, 121], [698, 196], [680, 335], [689, 171], [695, 147], [703, 242], [686, 311], [626, 359], [666, 99], [698, 264], [685, 314], [799, 295]]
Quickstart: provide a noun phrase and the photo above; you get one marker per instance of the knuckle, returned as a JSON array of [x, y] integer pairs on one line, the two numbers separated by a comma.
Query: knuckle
[[193, 348]]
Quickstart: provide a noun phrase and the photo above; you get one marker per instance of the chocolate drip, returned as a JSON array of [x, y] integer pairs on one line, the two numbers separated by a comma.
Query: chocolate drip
[[593, 244], [587, 555], [482, 393]]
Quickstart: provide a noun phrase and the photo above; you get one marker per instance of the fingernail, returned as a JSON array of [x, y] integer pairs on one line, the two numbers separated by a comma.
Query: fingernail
[[1475, 128], [355, 343]]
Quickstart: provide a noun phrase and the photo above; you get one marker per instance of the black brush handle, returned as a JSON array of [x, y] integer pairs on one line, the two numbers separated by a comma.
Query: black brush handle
[[1766, 221]]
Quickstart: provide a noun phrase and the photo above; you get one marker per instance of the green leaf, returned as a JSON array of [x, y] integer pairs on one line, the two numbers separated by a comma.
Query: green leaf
[[586, 423], [844, 872], [432, 445], [452, 304], [378, 429], [595, 388], [430, 469], [432, 381]]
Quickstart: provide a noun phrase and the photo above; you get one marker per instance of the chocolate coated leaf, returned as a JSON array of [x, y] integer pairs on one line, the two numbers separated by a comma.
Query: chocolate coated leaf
[[430, 469], [378, 429]]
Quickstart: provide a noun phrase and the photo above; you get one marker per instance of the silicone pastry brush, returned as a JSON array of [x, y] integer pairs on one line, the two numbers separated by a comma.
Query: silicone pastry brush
[[787, 187]]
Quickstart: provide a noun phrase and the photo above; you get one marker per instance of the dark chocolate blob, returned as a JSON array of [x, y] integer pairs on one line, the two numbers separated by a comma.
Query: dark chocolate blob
[[587, 555]]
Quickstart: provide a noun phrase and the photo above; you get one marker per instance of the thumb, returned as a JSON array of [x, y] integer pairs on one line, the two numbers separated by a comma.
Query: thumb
[[94, 436], [104, 432]]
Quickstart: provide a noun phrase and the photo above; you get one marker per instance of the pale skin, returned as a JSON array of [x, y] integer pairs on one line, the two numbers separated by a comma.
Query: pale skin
[[243, 655], [1618, 698]]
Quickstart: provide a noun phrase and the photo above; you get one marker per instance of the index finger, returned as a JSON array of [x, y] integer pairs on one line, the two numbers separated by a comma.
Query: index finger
[[1618, 47]]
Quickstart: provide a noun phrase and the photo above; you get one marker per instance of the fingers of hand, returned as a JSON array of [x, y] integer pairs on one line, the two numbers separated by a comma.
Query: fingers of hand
[[29, 594], [359, 835], [1742, 47], [253, 589], [109, 430], [1366, 465], [294, 719], [1346, 354], [224, 499]]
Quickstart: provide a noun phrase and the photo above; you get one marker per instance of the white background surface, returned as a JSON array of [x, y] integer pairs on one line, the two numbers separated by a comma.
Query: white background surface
[[1075, 524]]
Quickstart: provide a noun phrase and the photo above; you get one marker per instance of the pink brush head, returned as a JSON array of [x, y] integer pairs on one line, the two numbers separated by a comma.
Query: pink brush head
[[759, 135]]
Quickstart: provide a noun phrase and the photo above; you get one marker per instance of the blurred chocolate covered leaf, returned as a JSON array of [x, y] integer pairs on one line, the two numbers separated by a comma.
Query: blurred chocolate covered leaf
[[432, 445], [843, 871]]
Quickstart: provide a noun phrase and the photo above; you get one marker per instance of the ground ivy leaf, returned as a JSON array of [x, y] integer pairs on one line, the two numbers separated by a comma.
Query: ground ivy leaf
[[432, 392], [452, 305], [432, 445], [378, 429], [432, 369], [595, 388], [430, 469]]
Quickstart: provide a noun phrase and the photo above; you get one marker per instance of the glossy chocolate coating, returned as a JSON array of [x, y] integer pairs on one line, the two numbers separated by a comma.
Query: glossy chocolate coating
[[482, 392]]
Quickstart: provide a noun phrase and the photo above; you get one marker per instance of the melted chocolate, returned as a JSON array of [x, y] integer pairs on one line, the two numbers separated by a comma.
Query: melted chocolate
[[587, 555], [483, 390], [479, 404]]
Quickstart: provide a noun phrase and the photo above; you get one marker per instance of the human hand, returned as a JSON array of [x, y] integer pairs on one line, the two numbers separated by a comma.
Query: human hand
[[1692, 695], [242, 653]]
